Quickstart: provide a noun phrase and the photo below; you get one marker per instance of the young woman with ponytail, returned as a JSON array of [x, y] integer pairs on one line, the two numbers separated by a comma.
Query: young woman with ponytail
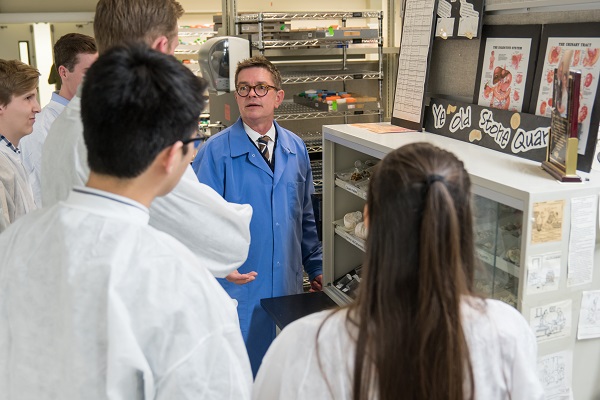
[[417, 329]]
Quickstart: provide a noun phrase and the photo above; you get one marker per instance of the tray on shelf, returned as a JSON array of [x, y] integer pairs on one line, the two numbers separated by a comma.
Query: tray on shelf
[[292, 111], [498, 262], [359, 191], [341, 230], [349, 283], [269, 27]]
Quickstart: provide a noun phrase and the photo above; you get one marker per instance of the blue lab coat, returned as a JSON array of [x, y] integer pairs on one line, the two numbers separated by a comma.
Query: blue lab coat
[[283, 234]]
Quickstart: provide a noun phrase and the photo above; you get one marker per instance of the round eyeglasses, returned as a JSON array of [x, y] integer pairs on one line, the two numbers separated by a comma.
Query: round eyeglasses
[[261, 90]]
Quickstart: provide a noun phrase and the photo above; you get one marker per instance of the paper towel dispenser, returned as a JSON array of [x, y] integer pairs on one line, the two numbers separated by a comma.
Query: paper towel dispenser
[[218, 58]]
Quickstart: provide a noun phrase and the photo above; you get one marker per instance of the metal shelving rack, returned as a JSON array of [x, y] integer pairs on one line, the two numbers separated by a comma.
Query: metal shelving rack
[[344, 73], [336, 50]]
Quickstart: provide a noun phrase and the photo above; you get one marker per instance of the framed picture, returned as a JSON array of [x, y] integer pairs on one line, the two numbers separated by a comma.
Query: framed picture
[[580, 45], [506, 67]]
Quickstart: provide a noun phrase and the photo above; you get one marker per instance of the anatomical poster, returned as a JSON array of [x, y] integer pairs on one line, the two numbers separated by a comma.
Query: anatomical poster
[[503, 79], [506, 67], [576, 45], [583, 57]]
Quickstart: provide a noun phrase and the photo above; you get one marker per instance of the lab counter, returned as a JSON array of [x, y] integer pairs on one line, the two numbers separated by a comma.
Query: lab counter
[[286, 309]]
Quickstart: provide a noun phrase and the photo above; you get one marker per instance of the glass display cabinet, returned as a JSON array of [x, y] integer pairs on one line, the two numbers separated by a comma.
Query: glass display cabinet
[[497, 233]]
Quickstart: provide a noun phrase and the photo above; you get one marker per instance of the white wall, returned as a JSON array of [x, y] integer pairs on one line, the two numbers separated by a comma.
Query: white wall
[[42, 37], [10, 35]]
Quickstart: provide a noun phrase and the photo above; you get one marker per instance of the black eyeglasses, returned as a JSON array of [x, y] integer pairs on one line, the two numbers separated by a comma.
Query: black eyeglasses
[[261, 90], [196, 138]]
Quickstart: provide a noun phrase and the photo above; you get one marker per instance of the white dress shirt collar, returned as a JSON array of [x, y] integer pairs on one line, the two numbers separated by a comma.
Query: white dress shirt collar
[[254, 136]]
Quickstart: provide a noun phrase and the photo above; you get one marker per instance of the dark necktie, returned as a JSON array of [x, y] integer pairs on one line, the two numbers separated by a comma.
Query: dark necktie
[[263, 147]]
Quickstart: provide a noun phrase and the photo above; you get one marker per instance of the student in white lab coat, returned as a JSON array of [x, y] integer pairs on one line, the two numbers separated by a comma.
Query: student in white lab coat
[[417, 329], [95, 303], [18, 107], [73, 55], [216, 231]]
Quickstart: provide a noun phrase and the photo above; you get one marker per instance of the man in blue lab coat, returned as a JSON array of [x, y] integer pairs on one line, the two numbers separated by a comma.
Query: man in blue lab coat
[[256, 161]]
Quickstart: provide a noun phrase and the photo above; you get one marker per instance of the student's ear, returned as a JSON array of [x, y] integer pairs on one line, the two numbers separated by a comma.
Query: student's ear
[[161, 44], [172, 157], [62, 71], [366, 215]]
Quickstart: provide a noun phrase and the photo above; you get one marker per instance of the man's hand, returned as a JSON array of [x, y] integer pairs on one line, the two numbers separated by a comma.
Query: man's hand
[[241, 279], [316, 285]]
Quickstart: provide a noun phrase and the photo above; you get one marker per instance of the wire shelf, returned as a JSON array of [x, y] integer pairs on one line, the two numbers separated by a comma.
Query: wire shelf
[[281, 44], [289, 111], [329, 76], [287, 16]]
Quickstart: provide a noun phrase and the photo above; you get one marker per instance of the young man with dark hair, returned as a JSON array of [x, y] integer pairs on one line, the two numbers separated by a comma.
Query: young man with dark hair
[[18, 107], [216, 231], [97, 304], [73, 55]]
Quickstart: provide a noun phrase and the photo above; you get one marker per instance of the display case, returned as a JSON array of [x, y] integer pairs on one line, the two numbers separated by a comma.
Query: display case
[[497, 233], [522, 216]]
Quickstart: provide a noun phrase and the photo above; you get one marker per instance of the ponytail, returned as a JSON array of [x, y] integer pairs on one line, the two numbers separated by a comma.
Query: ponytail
[[442, 285]]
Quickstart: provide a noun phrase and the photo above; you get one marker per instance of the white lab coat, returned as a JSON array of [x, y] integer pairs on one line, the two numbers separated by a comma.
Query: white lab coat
[[31, 145], [502, 349], [96, 304], [16, 198], [216, 231]]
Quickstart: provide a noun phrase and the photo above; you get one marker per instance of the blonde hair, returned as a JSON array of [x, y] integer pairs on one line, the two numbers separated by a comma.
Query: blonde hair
[[16, 78], [117, 21]]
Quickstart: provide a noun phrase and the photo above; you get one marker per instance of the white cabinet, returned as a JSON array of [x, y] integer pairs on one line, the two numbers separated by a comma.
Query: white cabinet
[[509, 194]]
